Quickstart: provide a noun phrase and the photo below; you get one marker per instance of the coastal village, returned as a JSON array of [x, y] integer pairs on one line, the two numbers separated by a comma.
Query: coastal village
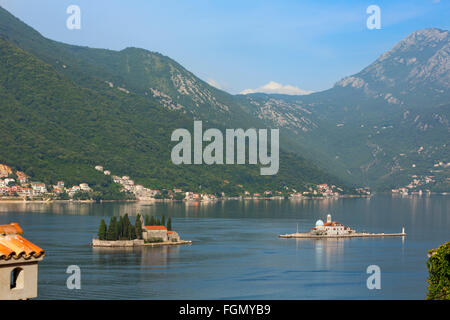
[[17, 185], [422, 183], [417, 186], [21, 187]]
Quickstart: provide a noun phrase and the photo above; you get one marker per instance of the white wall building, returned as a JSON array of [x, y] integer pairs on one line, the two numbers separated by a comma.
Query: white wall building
[[330, 228]]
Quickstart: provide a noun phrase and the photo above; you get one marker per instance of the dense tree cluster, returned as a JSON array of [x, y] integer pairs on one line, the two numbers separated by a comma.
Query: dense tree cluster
[[121, 229]]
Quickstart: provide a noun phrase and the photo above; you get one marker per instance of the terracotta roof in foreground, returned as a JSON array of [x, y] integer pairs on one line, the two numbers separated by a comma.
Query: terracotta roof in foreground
[[12, 228], [14, 246]]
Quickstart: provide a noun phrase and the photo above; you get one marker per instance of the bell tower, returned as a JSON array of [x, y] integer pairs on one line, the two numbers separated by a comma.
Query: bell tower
[[328, 218]]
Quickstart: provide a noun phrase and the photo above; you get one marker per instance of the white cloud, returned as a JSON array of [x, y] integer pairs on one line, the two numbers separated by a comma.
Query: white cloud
[[214, 83], [275, 87]]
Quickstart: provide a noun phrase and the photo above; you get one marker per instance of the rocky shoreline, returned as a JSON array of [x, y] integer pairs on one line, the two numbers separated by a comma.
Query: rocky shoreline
[[134, 243]]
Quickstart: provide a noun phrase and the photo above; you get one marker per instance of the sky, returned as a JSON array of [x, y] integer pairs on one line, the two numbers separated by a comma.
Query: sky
[[292, 47]]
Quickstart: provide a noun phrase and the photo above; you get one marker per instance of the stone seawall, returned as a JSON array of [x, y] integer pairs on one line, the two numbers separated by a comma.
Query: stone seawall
[[134, 243], [117, 243]]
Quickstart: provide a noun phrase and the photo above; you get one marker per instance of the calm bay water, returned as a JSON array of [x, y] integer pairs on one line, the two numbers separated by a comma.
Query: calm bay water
[[236, 253]]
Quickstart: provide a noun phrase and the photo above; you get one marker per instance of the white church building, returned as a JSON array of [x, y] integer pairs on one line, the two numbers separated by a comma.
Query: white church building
[[330, 228]]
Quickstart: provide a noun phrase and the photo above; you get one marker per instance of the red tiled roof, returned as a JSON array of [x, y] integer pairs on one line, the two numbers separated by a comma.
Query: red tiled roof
[[12, 228], [170, 232], [332, 224], [12, 245], [155, 227]]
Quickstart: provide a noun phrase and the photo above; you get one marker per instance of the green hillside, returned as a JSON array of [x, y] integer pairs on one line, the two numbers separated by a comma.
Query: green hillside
[[60, 117]]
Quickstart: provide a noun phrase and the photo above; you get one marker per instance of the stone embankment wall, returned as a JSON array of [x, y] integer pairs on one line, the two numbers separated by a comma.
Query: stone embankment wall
[[117, 243]]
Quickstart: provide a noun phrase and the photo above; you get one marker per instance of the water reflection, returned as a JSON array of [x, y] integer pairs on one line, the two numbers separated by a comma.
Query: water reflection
[[327, 252], [236, 252], [146, 257]]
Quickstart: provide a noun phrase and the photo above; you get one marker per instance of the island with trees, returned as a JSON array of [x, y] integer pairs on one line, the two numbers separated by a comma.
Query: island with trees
[[146, 231]]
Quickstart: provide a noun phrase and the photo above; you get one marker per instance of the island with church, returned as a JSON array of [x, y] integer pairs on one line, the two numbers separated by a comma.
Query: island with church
[[333, 229], [148, 231]]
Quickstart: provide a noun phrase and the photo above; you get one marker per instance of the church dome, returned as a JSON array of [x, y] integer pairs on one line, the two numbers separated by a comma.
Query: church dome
[[319, 223]]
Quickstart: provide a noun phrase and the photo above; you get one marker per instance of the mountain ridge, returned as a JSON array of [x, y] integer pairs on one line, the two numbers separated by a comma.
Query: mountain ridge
[[357, 130], [70, 112], [364, 126]]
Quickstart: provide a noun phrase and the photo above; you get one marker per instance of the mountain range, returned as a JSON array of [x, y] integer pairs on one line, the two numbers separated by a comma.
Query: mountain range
[[382, 126], [66, 108]]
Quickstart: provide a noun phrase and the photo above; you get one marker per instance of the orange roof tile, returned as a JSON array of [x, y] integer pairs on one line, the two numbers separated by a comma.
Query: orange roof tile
[[12, 228], [332, 224], [170, 232], [5, 252], [155, 227], [12, 245]]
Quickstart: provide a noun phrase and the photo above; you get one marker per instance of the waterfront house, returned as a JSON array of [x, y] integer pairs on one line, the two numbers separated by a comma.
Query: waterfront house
[[71, 191], [27, 192], [159, 233], [15, 190], [18, 264], [38, 188], [99, 168]]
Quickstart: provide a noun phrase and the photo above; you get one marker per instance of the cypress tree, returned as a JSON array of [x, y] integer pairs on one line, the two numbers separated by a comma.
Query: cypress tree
[[169, 224], [111, 234], [131, 232], [163, 220], [138, 227], [102, 230], [116, 229], [120, 228], [147, 220], [152, 221], [126, 226], [158, 222]]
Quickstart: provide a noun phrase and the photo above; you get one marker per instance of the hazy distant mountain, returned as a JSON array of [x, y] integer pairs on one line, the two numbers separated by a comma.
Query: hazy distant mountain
[[382, 125], [417, 67]]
